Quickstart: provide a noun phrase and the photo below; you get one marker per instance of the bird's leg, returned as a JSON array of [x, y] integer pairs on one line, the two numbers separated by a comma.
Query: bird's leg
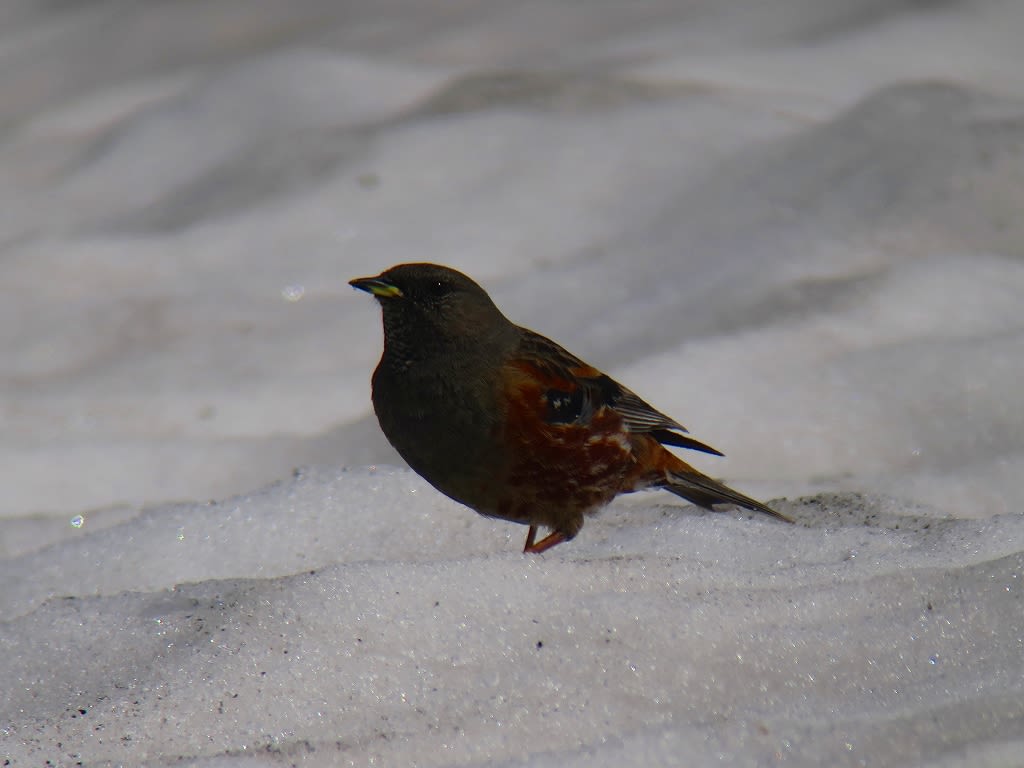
[[553, 538], [530, 536]]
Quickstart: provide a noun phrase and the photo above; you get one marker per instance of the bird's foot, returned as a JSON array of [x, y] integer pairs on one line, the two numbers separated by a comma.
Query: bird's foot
[[553, 538]]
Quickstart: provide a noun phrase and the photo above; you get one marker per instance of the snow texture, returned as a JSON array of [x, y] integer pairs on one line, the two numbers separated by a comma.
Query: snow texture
[[793, 225]]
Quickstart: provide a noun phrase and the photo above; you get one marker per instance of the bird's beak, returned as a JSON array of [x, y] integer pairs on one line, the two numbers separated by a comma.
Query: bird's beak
[[378, 286]]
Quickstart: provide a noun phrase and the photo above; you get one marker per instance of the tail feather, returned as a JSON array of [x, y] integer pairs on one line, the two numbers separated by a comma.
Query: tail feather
[[683, 441], [705, 492], [660, 468]]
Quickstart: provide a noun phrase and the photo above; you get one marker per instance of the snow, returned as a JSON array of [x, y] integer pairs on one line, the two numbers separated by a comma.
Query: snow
[[792, 225]]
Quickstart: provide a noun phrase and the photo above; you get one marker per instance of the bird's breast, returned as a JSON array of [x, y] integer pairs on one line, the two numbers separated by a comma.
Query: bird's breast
[[443, 425]]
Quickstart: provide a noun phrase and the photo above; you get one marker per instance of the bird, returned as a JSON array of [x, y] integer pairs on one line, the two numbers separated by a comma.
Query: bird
[[509, 423]]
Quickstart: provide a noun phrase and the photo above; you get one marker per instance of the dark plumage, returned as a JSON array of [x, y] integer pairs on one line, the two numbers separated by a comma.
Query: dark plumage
[[509, 423]]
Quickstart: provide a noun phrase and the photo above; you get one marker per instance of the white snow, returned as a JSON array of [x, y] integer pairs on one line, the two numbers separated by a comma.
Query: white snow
[[793, 225]]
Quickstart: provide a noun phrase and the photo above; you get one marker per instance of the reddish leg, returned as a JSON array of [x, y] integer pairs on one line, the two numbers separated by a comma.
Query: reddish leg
[[530, 536], [553, 538]]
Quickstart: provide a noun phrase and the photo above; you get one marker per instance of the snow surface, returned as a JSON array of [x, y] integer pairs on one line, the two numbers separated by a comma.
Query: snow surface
[[794, 225]]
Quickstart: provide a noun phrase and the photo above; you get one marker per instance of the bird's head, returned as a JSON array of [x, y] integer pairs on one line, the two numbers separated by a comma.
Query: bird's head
[[428, 307]]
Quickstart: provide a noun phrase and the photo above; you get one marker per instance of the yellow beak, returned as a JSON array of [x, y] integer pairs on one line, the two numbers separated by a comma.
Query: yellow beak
[[380, 288]]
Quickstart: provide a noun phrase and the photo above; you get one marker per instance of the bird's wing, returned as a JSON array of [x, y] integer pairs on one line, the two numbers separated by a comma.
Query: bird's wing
[[574, 391]]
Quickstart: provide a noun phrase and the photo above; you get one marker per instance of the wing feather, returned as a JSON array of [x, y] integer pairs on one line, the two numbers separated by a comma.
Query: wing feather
[[568, 380]]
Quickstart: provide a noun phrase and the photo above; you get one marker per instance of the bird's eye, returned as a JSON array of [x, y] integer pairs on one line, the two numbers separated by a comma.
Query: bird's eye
[[438, 288]]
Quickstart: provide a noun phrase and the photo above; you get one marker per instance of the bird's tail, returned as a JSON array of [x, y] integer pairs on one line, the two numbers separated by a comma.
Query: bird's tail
[[663, 469], [705, 492], [685, 481]]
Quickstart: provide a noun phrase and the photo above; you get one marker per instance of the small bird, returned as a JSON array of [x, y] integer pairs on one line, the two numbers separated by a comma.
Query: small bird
[[507, 422]]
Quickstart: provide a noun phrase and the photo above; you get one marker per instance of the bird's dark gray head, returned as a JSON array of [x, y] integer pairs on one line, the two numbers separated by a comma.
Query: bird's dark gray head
[[430, 309]]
